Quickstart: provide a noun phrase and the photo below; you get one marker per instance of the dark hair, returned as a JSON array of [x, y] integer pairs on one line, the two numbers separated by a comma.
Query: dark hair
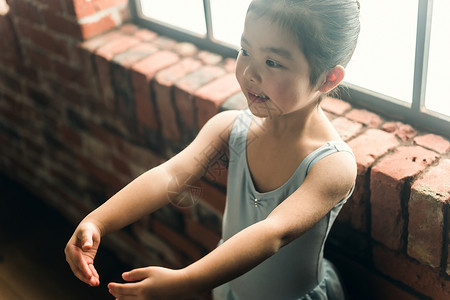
[[327, 30]]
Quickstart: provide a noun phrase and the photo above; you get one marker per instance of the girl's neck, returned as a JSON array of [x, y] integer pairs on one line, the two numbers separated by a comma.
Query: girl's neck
[[296, 123]]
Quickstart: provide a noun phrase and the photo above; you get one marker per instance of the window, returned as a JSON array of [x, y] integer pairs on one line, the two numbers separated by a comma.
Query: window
[[398, 69]]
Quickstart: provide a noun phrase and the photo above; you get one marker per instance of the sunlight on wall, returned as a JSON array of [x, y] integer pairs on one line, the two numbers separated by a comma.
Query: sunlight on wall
[[228, 20], [187, 15], [437, 98], [384, 57]]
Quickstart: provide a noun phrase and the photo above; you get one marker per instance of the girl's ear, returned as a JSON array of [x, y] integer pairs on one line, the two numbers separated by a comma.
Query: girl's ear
[[333, 78]]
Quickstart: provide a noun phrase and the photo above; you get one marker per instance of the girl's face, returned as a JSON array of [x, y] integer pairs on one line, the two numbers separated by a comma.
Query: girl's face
[[272, 70]]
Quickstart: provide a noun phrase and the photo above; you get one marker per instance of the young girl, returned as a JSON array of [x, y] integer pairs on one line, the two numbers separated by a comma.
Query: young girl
[[289, 171]]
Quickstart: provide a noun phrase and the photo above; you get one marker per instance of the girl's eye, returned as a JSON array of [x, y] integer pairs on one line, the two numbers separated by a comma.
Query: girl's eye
[[273, 64], [243, 52]]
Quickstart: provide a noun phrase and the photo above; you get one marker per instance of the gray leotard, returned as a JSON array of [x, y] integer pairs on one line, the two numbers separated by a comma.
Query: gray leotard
[[296, 271]]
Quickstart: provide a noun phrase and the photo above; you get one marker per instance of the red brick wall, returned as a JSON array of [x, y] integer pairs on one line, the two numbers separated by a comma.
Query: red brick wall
[[89, 101]]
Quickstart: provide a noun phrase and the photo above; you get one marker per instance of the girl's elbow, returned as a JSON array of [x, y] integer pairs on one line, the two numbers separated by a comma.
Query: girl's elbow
[[278, 237]]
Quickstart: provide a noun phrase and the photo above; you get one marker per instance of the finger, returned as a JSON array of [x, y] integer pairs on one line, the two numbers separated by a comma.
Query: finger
[[93, 270], [87, 276], [82, 269], [135, 275], [86, 240], [126, 298], [79, 267], [121, 290], [95, 278]]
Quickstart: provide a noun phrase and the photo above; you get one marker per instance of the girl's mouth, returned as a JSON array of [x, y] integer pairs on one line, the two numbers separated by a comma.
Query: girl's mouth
[[257, 98]]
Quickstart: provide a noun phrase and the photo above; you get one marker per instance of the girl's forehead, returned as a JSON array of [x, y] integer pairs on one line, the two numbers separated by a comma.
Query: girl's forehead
[[264, 30]]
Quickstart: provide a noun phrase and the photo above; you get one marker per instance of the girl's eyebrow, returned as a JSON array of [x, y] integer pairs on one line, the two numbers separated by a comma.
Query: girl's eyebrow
[[244, 41], [280, 51]]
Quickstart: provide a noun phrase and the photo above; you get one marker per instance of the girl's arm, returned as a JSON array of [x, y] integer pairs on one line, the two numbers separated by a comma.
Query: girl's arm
[[146, 194], [150, 191], [327, 183]]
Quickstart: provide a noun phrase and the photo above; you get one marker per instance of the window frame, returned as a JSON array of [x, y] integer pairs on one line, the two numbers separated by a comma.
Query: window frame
[[413, 113]]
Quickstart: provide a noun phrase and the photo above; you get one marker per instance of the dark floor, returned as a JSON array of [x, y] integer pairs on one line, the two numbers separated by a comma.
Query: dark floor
[[32, 241]]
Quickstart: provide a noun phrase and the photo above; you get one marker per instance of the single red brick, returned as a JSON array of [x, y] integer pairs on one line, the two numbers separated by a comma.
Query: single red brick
[[210, 97], [145, 35], [335, 106], [365, 117], [420, 278], [354, 212], [185, 88], [403, 131], [129, 28], [448, 243], [91, 28], [82, 8], [104, 4], [118, 45], [185, 49], [209, 58], [434, 142], [155, 62], [370, 146], [429, 198], [142, 73], [165, 43], [236, 102], [405, 162], [145, 108], [103, 76], [425, 228], [135, 54], [387, 182], [194, 81], [172, 74], [94, 43], [164, 81], [347, 129], [167, 115]]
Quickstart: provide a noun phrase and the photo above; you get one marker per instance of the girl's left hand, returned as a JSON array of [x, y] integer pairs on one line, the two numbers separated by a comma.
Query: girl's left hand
[[151, 283]]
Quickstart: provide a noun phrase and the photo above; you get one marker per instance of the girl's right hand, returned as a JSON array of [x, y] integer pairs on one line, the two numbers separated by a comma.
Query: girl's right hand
[[81, 250]]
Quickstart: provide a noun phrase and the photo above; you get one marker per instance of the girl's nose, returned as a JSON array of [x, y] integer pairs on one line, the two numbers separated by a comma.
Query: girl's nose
[[251, 73]]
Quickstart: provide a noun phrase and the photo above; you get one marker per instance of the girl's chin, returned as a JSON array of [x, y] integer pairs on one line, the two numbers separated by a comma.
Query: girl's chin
[[264, 110]]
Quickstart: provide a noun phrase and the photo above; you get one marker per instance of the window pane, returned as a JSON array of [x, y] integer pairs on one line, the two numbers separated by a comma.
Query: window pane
[[385, 56], [439, 63], [228, 20], [186, 15]]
